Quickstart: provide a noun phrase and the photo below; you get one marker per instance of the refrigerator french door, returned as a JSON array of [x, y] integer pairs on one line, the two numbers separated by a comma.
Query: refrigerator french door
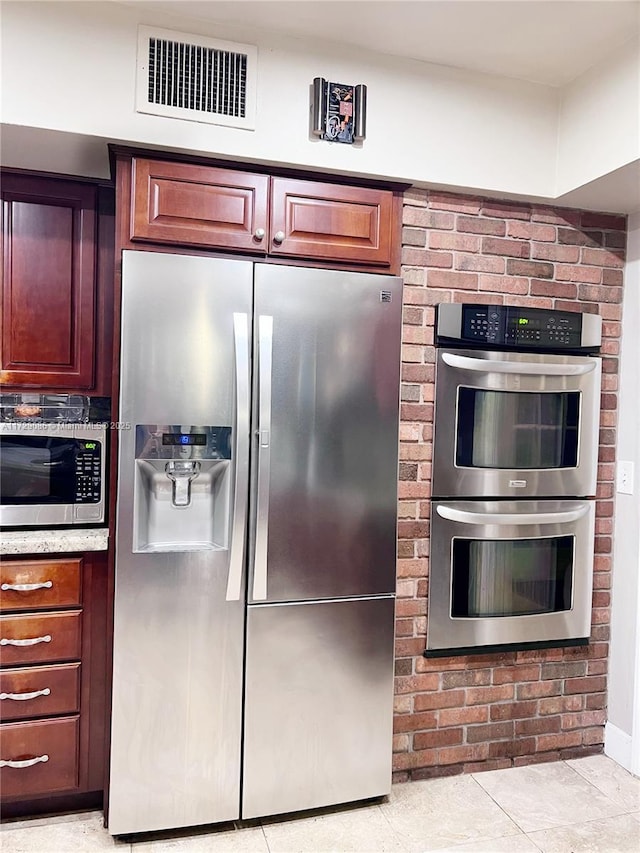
[[255, 544]]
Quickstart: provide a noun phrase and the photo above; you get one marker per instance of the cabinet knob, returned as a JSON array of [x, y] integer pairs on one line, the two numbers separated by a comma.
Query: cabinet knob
[[259, 233], [278, 237]]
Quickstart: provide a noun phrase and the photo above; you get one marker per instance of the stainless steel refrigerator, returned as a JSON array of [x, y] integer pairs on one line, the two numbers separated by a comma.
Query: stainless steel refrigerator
[[255, 542]]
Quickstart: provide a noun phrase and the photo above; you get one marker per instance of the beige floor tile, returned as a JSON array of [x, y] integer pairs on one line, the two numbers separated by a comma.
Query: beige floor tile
[[233, 841], [507, 844], [619, 834], [73, 834], [443, 812], [610, 778], [543, 796], [364, 829]]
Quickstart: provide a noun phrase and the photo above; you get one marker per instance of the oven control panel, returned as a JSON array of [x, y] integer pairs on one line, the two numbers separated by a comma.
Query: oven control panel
[[516, 327]]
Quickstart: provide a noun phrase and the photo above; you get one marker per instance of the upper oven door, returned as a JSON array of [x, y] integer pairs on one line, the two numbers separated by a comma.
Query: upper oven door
[[51, 474], [515, 424]]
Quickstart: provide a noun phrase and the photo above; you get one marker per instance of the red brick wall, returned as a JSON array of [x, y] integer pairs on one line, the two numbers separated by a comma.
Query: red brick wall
[[466, 713]]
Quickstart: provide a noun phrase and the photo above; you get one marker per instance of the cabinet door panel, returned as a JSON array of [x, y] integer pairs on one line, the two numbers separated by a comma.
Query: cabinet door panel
[[50, 583], [54, 742], [48, 322], [331, 222], [181, 203]]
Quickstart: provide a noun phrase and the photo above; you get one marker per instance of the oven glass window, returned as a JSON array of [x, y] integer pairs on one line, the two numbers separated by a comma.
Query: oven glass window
[[511, 429], [37, 470], [511, 577]]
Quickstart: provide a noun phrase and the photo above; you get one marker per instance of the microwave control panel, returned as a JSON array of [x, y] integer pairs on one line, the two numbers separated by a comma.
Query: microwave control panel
[[513, 327], [88, 476]]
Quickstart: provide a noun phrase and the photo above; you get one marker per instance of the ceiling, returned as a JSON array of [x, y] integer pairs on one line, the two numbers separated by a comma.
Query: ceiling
[[544, 41]]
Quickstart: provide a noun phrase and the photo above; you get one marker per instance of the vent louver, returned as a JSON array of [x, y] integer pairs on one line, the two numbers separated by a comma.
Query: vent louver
[[191, 77]]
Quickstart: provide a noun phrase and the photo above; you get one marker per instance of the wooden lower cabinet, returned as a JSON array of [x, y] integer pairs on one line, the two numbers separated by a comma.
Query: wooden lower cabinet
[[40, 584], [53, 682], [40, 637], [40, 757], [40, 691]]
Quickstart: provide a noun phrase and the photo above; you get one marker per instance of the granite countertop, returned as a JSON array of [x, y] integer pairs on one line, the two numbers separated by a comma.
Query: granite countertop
[[53, 541]]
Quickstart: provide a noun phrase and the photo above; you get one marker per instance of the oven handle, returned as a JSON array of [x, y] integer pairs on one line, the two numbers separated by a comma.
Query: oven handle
[[502, 518], [486, 365]]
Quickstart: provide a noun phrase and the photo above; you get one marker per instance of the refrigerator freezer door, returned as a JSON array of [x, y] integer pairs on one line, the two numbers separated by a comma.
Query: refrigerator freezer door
[[179, 614], [319, 695], [328, 440]]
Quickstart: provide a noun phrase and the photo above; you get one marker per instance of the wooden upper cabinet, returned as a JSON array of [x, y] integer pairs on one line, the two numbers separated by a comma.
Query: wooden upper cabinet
[[49, 282], [330, 222], [181, 203]]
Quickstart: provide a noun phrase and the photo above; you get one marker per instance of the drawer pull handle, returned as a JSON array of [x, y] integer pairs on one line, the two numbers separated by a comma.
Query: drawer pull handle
[[20, 697], [26, 587], [33, 641], [28, 762]]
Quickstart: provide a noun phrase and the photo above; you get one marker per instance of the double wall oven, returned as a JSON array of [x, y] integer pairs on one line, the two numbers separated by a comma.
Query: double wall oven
[[514, 477]]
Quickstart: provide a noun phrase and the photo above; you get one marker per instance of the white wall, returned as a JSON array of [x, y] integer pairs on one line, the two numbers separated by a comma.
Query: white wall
[[599, 122], [622, 737], [71, 67]]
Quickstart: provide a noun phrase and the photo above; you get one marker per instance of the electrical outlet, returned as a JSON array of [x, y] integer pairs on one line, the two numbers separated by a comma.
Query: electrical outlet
[[624, 482]]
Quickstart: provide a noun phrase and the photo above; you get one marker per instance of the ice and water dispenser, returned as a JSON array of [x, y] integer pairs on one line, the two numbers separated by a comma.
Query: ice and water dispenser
[[182, 491]]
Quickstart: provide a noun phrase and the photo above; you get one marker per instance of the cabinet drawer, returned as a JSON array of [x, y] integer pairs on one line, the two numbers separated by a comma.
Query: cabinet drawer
[[181, 203], [53, 742], [40, 638], [31, 584], [329, 222], [39, 691]]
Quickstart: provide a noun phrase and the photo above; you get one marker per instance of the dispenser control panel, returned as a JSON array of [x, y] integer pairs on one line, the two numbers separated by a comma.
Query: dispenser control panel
[[179, 441]]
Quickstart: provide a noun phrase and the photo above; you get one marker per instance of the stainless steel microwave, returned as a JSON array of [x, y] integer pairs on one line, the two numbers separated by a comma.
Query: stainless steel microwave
[[52, 474]]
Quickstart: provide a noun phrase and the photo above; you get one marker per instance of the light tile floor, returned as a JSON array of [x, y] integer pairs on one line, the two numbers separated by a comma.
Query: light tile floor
[[590, 805]]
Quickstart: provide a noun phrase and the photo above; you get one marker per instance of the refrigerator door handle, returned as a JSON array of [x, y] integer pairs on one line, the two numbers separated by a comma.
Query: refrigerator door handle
[[265, 346], [241, 456]]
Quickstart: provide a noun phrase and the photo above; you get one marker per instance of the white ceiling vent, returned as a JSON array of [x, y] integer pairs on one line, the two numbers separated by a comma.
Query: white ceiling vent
[[196, 78]]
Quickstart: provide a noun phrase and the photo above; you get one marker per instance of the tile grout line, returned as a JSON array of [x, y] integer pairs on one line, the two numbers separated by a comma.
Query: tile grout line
[[631, 776], [580, 823], [402, 839], [595, 787], [504, 811], [264, 835], [560, 825]]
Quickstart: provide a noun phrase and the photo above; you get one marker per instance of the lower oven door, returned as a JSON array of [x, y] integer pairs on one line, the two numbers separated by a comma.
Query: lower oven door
[[509, 572]]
